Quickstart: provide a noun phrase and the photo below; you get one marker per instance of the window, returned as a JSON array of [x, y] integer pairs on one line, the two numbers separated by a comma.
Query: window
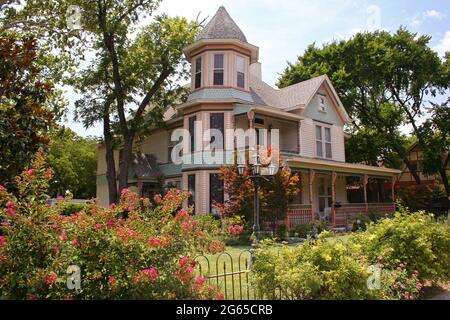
[[218, 69], [191, 189], [198, 72], [240, 67], [319, 151], [322, 104], [217, 122], [327, 142], [192, 132], [170, 146], [323, 140], [216, 192]]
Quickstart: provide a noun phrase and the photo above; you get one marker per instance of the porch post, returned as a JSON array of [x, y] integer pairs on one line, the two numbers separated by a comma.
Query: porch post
[[365, 181], [333, 196], [312, 174], [140, 185]]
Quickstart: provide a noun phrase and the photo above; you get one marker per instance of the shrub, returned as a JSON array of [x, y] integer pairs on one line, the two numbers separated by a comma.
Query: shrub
[[147, 256], [68, 208], [282, 232], [360, 222], [314, 270], [416, 240], [302, 230]]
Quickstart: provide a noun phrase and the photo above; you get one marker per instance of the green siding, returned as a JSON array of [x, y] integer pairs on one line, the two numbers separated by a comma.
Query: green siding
[[313, 112]]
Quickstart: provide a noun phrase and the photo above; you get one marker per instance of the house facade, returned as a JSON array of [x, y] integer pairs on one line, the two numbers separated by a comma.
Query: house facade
[[227, 92]]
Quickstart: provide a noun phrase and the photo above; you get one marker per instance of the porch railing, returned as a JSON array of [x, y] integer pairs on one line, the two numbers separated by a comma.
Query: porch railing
[[299, 214], [347, 212]]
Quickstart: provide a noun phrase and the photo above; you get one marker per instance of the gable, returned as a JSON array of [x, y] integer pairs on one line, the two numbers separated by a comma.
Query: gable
[[331, 114]]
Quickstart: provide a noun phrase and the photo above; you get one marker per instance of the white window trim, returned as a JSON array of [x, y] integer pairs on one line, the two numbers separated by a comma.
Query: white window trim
[[201, 71], [244, 72], [223, 68], [319, 104], [323, 142]]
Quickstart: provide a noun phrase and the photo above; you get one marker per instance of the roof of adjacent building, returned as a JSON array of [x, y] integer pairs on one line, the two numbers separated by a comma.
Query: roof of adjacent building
[[221, 26]]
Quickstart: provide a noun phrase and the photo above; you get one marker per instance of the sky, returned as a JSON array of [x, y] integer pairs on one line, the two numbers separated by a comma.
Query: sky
[[282, 29]]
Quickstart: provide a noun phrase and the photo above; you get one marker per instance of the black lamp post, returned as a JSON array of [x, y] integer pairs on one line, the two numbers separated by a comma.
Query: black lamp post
[[257, 178]]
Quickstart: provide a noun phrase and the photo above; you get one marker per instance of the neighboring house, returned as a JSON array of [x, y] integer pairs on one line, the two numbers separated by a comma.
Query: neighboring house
[[227, 92], [415, 156]]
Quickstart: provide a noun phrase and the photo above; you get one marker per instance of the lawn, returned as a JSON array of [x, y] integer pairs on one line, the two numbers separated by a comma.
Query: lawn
[[232, 266]]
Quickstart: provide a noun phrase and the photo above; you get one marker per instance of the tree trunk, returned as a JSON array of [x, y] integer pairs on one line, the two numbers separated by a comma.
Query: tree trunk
[[412, 170], [443, 174], [125, 159], [110, 163]]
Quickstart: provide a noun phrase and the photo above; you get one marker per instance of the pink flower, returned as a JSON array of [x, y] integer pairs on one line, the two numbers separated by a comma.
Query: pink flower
[[151, 273], [76, 242], [63, 236], [200, 280], [112, 280], [10, 204], [111, 223], [30, 172], [157, 198], [2, 188], [48, 172], [220, 296], [112, 206], [189, 269], [183, 261], [155, 242], [51, 279], [11, 211], [98, 226], [2, 241], [124, 191], [182, 213], [60, 198], [235, 230], [137, 279]]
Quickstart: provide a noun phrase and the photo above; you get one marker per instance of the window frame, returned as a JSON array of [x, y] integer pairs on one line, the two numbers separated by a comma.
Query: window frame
[[198, 72], [324, 142], [215, 189], [192, 132], [238, 72], [218, 70], [191, 188], [322, 107], [211, 115]]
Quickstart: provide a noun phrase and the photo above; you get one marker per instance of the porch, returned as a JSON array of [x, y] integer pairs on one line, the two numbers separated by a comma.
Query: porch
[[338, 192]]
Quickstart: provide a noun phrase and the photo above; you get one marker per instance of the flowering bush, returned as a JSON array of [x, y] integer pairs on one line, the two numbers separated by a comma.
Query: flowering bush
[[148, 255], [416, 240]]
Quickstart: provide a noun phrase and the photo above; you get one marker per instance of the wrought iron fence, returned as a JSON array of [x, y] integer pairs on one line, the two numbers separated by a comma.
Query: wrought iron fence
[[231, 275]]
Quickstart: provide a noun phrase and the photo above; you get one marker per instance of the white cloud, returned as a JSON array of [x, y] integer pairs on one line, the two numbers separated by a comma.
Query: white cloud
[[444, 45], [433, 14]]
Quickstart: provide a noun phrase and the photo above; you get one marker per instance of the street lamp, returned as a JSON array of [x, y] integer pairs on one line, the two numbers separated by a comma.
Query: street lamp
[[257, 178]]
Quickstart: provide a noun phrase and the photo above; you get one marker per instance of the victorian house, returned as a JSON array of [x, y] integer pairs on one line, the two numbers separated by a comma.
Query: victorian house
[[227, 92]]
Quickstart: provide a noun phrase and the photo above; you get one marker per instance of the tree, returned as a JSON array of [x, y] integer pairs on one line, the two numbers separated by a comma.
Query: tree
[[132, 77], [25, 93], [436, 134], [275, 194], [383, 80], [74, 162]]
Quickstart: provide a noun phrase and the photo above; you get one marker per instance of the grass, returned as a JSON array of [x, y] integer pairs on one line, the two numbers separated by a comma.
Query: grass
[[237, 285]]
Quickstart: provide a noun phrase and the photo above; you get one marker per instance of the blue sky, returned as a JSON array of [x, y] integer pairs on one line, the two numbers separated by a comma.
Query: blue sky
[[282, 29]]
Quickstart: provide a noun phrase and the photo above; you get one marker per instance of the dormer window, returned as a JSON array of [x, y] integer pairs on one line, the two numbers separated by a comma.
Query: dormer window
[[218, 70], [198, 72], [240, 67], [322, 104]]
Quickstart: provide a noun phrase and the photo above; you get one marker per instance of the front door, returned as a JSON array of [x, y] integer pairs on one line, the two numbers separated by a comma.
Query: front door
[[324, 192]]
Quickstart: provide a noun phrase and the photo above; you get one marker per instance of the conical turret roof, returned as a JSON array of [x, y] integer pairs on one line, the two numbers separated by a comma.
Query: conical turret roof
[[222, 26]]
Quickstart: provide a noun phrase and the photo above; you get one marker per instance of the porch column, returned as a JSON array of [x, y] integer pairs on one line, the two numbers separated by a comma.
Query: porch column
[[312, 174], [333, 196], [140, 185], [393, 182], [365, 181]]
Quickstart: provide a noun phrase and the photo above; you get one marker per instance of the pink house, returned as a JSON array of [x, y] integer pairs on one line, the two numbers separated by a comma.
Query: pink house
[[227, 92]]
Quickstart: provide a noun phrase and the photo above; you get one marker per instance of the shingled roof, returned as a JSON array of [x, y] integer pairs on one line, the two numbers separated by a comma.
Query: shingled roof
[[221, 26]]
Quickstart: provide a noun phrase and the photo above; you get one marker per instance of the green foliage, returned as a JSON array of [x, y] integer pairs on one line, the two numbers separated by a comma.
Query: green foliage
[[382, 79], [68, 208], [414, 239], [302, 230], [146, 256], [282, 232], [360, 222], [314, 270], [74, 162], [24, 116]]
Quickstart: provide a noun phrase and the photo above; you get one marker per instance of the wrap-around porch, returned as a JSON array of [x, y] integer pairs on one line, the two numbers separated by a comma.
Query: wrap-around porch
[[337, 192]]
